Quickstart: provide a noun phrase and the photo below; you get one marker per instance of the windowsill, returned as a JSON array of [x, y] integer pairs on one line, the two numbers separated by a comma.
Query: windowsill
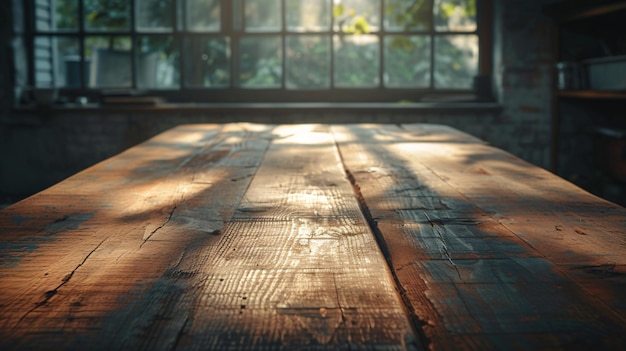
[[442, 106]]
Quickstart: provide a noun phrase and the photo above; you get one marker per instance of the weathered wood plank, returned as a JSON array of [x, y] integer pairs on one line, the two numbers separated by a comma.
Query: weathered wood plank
[[297, 267], [456, 218], [247, 236], [124, 223], [573, 229], [155, 249]]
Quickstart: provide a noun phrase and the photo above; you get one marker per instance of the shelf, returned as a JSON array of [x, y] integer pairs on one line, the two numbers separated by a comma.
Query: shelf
[[570, 11], [591, 94], [585, 29]]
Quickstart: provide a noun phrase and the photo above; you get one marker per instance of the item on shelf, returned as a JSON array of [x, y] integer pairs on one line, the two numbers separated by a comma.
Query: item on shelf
[[607, 73], [610, 149], [571, 76]]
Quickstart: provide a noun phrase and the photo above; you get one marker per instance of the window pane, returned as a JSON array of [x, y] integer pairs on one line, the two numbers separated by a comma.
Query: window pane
[[308, 16], [262, 15], [154, 15], [456, 61], [207, 62], [308, 62], [407, 61], [455, 15], [110, 59], [43, 56], [68, 63], [356, 16], [260, 62], [356, 61], [157, 63], [107, 15], [57, 62], [59, 15], [408, 15], [203, 15]]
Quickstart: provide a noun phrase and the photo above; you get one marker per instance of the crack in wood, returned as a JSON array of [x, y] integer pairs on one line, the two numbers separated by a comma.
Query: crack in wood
[[180, 334], [69, 276], [241, 177], [169, 218], [450, 221], [67, 222], [50, 293], [437, 229], [608, 269], [417, 323], [63, 219], [341, 308]]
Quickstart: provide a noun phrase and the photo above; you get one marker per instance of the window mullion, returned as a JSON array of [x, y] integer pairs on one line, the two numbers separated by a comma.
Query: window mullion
[[30, 31], [175, 23], [226, 16], [332, 45], [178, 21], [182, 6], [133, 45], [484, 30], [81, 45], [237, 17], [381, 47], [432, 45], [283, 36]]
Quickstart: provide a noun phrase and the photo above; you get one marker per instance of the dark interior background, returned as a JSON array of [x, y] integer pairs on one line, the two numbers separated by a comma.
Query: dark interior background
[[39, 147]]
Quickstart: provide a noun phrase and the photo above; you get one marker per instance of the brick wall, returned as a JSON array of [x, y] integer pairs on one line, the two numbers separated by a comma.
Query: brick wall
[[523, 60]]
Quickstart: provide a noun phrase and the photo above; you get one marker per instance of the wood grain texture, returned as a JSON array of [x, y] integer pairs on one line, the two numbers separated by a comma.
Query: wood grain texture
[[313, 237], [206, 237], [491, 252]]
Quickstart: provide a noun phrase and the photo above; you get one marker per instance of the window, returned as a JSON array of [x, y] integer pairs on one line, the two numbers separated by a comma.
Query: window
[[257, 50]]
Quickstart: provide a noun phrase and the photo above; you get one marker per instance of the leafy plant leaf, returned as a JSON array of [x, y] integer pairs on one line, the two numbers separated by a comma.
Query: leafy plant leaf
[[339, 10]]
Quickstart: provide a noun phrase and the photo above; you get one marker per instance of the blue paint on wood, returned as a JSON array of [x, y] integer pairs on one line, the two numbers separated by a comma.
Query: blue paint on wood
[[68, 222]]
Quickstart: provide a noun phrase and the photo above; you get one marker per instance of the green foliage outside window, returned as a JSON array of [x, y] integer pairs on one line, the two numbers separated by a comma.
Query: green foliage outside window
[[411, 58], [107, 14]]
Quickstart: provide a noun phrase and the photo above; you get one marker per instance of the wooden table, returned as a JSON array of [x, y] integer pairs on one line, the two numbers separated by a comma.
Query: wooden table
[[313, 237]]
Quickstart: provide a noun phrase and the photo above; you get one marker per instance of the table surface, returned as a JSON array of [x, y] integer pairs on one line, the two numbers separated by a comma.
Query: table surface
[[313, 237]]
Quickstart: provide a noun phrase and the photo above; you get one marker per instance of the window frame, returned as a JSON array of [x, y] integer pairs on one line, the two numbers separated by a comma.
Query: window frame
[[235, 93]]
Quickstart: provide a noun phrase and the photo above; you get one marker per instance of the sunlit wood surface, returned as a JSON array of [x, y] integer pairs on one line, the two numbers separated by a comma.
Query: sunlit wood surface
[[313, 237]]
